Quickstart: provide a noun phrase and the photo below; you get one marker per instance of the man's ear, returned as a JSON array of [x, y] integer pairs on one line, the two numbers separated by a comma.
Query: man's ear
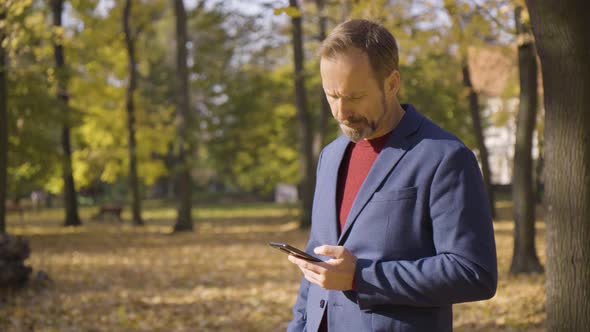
[[392, 83]]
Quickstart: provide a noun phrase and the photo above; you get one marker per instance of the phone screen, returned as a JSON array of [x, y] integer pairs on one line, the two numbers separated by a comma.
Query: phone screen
[[294, 251]]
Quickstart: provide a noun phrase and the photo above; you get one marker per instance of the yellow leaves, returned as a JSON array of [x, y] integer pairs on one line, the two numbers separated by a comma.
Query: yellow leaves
[[290, 11], [33, 20], [54, 184], [111, 172], [17, 7], [80, 168], [60, 36]]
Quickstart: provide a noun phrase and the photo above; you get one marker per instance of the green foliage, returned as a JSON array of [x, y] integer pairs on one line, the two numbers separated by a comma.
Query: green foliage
[[98, 91], [431, 84], [33, 114], [244, 121], [254, 143]]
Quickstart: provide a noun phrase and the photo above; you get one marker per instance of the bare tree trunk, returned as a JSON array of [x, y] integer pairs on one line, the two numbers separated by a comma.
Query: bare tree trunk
[[70, 197], [562, 39], [478, 132], [524, 258], [3, 125], [325, 107], [539, 169], [132, 145], [184, 182], [306, 148]]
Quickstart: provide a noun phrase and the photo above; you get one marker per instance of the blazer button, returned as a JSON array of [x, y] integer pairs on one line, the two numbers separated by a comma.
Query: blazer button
[[322, 303]]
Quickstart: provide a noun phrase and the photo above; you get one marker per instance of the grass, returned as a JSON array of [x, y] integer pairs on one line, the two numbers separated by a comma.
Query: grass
[[109, 276]]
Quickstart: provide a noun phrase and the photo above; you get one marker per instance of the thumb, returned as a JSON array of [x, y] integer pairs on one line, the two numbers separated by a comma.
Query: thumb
[[326, 250]]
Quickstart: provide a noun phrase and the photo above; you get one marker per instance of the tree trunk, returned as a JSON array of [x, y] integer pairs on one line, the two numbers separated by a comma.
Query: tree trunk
[[562, 39], [478, 132], [306, 149], [325, 107], [184, 219], [14, 251], [539, 169], [3, 125], [133, 178], [524, 258], [70, 197]]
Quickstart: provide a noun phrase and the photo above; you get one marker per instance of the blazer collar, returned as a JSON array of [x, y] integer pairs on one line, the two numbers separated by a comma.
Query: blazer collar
[[398, 144]]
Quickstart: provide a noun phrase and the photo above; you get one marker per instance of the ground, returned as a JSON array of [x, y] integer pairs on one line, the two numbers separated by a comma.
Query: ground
[[110, 276]]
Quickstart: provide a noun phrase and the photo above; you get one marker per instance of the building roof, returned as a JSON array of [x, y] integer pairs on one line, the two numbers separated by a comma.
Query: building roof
[[492, 69]]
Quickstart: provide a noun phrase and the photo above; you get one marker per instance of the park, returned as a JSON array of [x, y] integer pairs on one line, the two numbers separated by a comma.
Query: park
[[151, 150]]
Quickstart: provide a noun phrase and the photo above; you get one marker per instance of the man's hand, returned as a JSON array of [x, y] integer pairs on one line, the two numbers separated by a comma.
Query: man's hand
[[336, 273]]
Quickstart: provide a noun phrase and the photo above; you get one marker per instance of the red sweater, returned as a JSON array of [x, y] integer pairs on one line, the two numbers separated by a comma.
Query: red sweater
[[356, 164]]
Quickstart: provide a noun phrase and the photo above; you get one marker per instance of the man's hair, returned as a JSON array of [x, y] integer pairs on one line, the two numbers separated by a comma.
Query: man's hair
[[369, 37]]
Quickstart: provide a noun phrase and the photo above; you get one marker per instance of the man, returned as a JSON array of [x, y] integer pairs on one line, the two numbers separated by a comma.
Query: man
[[399, 209]]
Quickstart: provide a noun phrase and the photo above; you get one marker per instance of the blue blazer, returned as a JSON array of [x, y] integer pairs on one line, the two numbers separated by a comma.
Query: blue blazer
[[420, 227]]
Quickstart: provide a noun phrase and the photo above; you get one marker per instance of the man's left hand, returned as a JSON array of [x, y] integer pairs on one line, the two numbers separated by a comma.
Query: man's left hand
[[335, 274]]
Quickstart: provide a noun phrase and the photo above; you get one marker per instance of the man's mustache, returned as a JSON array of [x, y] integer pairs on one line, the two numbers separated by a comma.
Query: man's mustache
[[353, 120]]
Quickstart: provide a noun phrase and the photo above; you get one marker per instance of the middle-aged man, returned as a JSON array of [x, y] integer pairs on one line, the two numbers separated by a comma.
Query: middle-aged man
[[400, 210]]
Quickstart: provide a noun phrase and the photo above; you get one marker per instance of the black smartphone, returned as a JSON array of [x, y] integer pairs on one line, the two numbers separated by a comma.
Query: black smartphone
[[294, 251]]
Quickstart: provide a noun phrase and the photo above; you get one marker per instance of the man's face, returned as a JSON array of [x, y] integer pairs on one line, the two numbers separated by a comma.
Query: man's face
[[356, 99]]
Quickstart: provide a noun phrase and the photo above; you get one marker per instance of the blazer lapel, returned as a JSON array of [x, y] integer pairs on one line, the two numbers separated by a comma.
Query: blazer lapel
[[396, 147], [332, 187]]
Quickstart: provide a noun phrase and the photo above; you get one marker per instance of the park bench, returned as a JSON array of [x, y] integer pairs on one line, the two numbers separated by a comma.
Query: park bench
[[110, 210]]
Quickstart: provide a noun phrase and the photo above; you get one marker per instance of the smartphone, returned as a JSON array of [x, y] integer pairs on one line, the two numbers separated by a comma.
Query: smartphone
[[294, 251]]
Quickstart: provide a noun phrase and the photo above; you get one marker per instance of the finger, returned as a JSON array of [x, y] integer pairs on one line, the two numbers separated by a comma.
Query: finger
[[333, 251], [296, 260], [315, 267], [314, 278]]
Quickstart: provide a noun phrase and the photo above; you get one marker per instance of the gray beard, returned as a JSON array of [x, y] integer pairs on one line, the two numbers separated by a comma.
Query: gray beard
[[357, 134]]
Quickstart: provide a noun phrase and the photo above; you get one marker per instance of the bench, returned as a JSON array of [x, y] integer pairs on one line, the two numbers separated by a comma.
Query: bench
[[111, 211]]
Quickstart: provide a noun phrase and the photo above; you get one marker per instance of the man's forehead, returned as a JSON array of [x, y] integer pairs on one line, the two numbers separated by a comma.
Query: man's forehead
[[353, 56], [346, 75]]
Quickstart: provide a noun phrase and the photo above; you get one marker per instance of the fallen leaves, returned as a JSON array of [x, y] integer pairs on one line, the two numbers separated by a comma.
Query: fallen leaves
[[223, 277]]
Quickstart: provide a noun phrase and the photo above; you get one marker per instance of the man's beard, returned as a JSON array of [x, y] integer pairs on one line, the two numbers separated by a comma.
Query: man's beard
[[356, 134], [367, 129]]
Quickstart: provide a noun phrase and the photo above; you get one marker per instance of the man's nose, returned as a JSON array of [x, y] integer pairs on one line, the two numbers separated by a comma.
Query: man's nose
[[344, 110]]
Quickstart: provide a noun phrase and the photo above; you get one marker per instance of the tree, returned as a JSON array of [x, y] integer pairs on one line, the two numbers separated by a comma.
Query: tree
[[525, 258], [98, 88], [130, 105], [3, 121], [34, 117], [325, 107], [70, 197], [185, 147], [266, 153], [478, 133], [562, 40], [305, 130], [464, 24]]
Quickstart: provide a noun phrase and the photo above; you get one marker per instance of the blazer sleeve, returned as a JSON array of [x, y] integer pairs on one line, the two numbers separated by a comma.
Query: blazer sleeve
[[464, 267]]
